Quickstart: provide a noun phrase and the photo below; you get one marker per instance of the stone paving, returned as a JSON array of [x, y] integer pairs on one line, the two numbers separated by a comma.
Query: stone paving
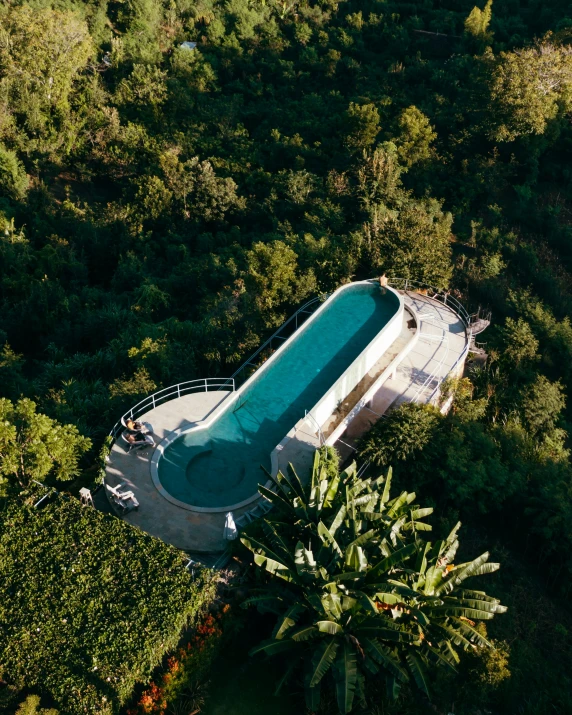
[[441, 341]]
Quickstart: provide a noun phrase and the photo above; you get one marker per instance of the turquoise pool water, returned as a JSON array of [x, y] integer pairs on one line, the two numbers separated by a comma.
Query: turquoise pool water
[[220, 465]]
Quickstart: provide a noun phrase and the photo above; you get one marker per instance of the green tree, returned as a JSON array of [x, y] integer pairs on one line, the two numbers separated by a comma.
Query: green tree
[[529, 87], [42, 55], [519, 343], [31, 706], [274, 280], [33, 446], [542, 403], [478, 21], [415, 137], [13, 178], [414, 239], [405, 431], [362, 125], [357, 593]]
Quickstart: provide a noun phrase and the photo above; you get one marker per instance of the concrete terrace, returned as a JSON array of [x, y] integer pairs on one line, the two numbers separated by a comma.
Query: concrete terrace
[[433, 340]]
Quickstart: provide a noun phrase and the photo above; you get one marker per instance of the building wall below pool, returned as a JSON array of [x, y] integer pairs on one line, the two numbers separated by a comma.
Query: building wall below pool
[[360, 367]]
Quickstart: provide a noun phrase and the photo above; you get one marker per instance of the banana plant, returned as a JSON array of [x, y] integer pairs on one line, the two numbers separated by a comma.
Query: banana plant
[[355, 589]]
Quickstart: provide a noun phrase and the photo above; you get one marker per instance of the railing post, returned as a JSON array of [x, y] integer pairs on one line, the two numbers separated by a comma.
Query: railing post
[[179, 390], [206, 386], [406, 284], [153, 398]]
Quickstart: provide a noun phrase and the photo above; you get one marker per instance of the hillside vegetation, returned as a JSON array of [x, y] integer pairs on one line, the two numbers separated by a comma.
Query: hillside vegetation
[[162, 209]]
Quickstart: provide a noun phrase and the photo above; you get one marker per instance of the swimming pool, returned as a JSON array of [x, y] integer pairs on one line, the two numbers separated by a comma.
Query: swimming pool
[[220, 465]]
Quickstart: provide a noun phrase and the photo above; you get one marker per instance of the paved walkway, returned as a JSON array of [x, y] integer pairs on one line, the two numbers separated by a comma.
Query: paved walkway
[[442, 339]]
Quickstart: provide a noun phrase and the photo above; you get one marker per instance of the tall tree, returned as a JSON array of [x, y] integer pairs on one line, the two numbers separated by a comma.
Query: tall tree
[[33, 446]]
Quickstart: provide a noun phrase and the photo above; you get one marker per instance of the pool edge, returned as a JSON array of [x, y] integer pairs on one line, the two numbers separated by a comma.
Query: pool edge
[[226, 404]]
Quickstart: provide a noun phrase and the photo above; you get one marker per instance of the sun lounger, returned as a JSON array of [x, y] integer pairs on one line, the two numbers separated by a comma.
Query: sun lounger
[[126, 501]]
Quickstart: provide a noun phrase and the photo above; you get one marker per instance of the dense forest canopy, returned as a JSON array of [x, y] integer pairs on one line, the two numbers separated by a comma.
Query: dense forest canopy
[[164, 207]]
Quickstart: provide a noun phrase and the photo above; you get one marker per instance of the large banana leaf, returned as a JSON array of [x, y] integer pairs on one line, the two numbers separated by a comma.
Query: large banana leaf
[[364, 538], [289, 619], [452, 634], [383, 656], [420, 513], [397, 557], [322, 660], [273, 647], [345, 675], [273, 567], [395, 505], [488, 605], [312, 694], [304, 633], [279, 545], [296, 483], [470, 632], [331, 492], [276, 499], [387, 488], [305, 561], [443, 657], [338, 519], [328, 538], [330, 627], [471, 613], [418, 672], [474, 568], [356, 558], [386, 634], [260, 549], [265, 602]]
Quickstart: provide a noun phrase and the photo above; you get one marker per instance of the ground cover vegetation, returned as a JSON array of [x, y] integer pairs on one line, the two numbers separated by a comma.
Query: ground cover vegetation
[[162, 209], [89, 606]]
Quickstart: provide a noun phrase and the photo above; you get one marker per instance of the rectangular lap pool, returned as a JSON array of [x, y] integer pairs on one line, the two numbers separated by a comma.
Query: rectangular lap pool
[[220, 466]]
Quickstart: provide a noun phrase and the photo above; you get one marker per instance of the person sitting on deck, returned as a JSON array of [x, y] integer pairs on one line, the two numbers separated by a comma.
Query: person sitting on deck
[[138, 438], [383, 281], [134, 426]]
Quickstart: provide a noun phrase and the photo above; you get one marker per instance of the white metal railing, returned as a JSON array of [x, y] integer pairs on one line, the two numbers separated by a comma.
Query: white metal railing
[[216, 383], [172, 393], [461, 357], [315, 421], [436, 372], [292, 325], [444, 297]]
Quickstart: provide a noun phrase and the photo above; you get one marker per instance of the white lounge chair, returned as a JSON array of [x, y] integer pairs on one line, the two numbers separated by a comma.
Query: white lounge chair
[[148, 441], [124, 500], [116, 493]]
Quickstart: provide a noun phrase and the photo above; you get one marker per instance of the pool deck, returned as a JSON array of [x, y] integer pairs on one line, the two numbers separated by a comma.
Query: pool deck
[[426, 350], [195, 532]]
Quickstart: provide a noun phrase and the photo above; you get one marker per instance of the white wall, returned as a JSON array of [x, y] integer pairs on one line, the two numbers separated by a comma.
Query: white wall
[[359, 368]]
